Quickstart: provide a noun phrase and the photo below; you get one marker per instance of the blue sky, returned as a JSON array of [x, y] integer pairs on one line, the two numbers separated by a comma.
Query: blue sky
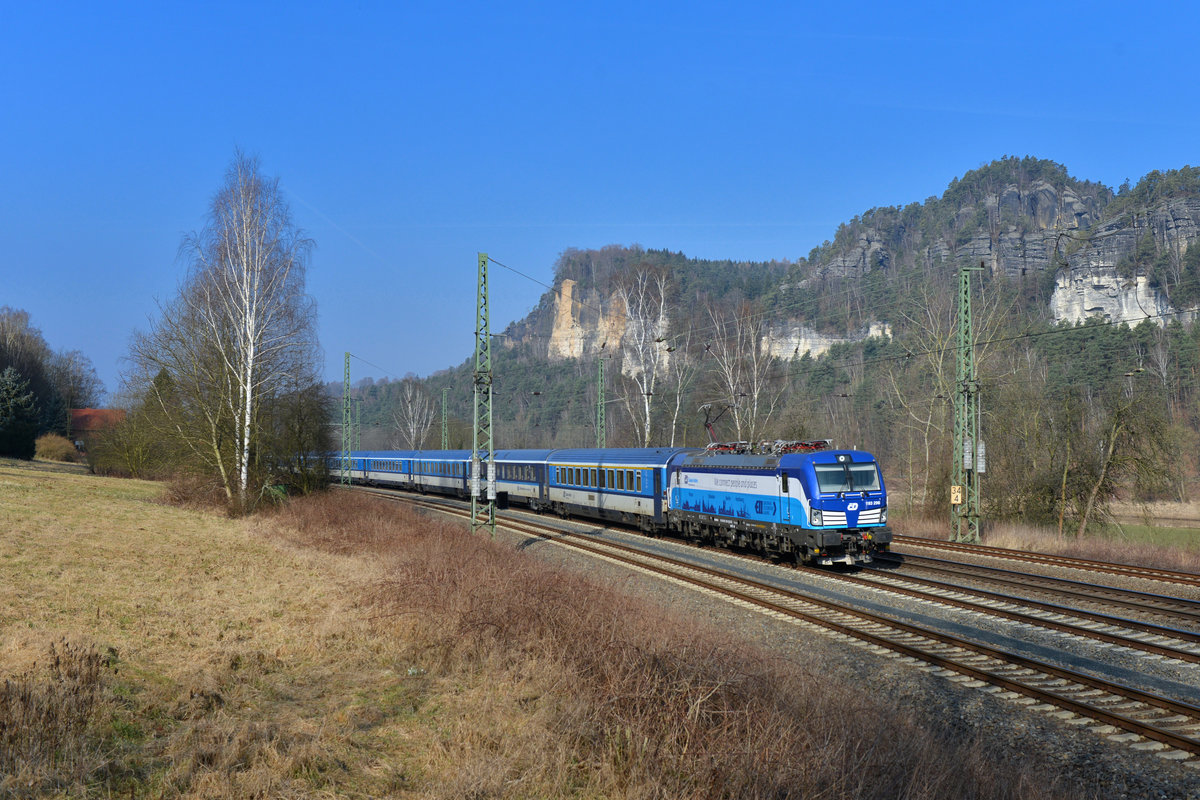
[[409, 136]]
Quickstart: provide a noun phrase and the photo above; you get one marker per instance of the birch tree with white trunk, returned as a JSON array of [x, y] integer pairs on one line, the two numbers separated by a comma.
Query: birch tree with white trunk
[[248, 264], [643, 352], [745, 370], [414, 414], [242, 328]]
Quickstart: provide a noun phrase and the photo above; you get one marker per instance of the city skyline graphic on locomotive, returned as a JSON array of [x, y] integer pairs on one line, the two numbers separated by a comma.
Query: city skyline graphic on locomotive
[[802, 501]]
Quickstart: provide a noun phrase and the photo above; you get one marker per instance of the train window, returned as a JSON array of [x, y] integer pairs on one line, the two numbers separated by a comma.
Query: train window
[[577, 481], [591, 477], [602, 484], [621, 479], [639, 481], [864, 477], [611, 485]]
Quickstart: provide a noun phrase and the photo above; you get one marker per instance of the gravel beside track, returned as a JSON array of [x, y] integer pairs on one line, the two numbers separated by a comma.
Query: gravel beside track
[[1006, 727]]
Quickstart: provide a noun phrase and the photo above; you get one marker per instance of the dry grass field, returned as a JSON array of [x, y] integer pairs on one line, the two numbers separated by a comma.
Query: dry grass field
[[345, 648]]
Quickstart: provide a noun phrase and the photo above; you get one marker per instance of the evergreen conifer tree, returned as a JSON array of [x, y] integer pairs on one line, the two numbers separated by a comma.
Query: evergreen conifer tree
[[18, 416]]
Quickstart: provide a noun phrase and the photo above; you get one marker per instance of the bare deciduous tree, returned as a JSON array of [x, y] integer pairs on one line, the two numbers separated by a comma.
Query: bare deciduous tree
[[643, 353], [682, 369], [241, 331], [414, 414], [248, 268], [746, 372]]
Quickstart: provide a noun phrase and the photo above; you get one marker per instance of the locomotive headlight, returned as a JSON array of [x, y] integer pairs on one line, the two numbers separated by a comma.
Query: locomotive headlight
[[814, 517], [883, 515]]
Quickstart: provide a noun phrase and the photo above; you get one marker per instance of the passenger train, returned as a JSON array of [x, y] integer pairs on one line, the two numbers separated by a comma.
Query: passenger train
[[801, 501]]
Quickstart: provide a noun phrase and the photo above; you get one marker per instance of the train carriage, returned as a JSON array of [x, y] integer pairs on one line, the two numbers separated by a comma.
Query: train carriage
[[622, 484], [521, 478]]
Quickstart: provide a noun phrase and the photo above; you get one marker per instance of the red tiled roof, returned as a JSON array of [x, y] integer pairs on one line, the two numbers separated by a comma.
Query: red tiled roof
[[86, 420]]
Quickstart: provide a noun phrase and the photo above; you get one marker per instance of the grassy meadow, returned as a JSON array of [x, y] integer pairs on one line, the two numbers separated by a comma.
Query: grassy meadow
[[343, 647]]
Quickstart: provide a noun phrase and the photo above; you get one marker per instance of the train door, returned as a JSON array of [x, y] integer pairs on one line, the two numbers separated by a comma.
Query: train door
[[785, 501], [658, 494]]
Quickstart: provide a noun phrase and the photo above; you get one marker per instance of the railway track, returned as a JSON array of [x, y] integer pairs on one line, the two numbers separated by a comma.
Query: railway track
[[1158, 640], [1144, 719], [1180, 611], [1124, 570]]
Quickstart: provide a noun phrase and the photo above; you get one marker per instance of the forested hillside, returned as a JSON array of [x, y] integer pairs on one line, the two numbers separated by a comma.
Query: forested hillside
[[1085, 339]]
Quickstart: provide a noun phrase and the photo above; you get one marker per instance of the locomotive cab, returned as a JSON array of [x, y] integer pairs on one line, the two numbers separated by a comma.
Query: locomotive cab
[[846, 500]]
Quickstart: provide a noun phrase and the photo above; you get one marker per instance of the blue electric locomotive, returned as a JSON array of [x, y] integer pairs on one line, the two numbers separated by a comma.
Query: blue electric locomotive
[[798, 500]]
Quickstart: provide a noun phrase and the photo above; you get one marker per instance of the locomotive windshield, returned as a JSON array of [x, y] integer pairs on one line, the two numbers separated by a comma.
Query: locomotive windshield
[[848, 477]]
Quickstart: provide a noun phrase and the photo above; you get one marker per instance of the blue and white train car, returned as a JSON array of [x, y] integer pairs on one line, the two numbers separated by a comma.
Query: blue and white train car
[[622, 484], [521, 478], [823, 507], [439, 471]]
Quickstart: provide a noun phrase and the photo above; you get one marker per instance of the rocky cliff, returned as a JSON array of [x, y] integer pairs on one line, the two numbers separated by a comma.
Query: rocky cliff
[[1076, 247], [1113, 256]]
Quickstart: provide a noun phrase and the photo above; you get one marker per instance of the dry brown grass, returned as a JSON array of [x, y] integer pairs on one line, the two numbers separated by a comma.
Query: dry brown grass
[[46, 716], [528, 681], [342, 648], [242, 668]]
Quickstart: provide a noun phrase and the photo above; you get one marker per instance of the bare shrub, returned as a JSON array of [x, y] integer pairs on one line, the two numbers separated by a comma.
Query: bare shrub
[[45, 717], [556, 685], [52, 447], [342, 522], [194, 490]]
